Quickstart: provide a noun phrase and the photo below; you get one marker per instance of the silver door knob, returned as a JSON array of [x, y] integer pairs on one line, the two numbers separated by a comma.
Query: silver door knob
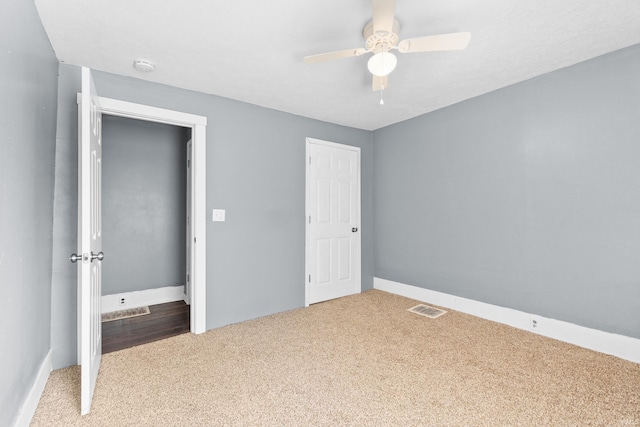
[[99, 256], [75, 258]]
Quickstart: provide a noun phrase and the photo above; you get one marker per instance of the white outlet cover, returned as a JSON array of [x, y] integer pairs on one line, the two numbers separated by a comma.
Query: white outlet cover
[[535, 323], [218, 215]]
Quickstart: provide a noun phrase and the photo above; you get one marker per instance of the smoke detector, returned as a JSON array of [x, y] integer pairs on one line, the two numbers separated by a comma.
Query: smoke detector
[[143, 65]]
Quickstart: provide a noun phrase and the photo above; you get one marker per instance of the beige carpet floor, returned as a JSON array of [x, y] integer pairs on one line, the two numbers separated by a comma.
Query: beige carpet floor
[[360, 361]]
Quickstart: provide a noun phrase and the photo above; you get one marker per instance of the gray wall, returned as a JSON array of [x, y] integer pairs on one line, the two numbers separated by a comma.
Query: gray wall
[[143, 204], [28, 68], [255, 170], [527, 197]]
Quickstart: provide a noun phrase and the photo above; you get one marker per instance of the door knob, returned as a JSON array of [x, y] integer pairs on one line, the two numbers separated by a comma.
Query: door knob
[[75, 258], [99, 256], [354, 229]]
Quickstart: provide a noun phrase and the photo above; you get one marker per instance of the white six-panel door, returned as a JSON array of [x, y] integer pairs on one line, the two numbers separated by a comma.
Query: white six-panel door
[[333, 221], [90, 238]]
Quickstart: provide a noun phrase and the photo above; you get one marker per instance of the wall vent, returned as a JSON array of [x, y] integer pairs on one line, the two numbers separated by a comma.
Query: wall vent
[[427, 311]]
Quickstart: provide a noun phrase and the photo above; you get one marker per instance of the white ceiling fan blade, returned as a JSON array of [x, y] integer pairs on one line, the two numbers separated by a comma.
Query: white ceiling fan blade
[[383, 11], [453, 41], [379, 83], [330, 56]]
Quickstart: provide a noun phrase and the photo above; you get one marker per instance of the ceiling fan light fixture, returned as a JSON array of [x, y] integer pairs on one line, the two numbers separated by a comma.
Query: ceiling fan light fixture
[[382, 63]]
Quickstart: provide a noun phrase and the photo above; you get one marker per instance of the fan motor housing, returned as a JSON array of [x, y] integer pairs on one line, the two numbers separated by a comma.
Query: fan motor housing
[[381, 40]]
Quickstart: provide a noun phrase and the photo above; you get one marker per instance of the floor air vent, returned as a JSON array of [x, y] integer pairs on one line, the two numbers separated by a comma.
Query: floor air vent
[[425, 310], [124, 314]]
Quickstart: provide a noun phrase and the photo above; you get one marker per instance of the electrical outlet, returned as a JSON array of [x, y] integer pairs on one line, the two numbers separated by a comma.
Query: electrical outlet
[[122, 301], [535, 324]]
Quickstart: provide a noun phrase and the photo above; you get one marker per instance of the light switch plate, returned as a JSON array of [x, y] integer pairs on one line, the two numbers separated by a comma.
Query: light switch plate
[[218, 215]]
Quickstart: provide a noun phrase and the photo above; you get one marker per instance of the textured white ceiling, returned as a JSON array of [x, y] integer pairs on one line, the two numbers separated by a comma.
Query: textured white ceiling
[[252, 50]]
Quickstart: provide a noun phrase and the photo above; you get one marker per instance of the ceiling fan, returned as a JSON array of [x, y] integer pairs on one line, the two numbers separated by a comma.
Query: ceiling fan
[[381, 36]]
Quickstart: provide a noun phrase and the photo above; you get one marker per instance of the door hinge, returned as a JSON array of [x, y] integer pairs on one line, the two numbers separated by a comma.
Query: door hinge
[[309, 159], [188, 278], [309, 219], [309, 278], [188, 163]]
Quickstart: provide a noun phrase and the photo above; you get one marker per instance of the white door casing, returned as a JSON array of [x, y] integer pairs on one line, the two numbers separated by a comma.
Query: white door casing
[[198, 175], [89, 239], [333, 242], [189, 237]]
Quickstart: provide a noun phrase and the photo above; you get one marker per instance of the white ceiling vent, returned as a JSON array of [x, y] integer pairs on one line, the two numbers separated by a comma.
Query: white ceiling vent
[[427, 311]]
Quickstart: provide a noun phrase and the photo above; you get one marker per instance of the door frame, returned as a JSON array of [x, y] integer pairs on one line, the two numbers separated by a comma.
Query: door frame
[[189, 214], [198, 126], [307, 204]]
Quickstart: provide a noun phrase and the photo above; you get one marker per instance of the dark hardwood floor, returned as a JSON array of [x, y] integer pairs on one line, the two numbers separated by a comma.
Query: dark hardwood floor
[[164, 321]]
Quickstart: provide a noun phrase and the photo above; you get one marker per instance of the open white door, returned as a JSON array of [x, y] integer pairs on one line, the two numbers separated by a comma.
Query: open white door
[[333, 221], [89, 238]]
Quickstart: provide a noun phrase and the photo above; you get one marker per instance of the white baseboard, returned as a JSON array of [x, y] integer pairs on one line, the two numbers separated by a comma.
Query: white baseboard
[[30, 404], [141, 298], [621, 346]]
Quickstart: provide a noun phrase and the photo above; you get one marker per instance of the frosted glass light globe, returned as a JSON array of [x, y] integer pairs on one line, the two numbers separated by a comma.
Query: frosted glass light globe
[[382, 63]]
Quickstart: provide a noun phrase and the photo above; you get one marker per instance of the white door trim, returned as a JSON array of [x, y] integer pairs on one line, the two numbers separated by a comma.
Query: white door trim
[[116, 107], [189, 238], [307, 269], [198, 125]]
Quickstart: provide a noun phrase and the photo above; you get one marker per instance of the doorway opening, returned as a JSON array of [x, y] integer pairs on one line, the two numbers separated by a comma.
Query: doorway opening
[[196, 194], [145, 210]]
